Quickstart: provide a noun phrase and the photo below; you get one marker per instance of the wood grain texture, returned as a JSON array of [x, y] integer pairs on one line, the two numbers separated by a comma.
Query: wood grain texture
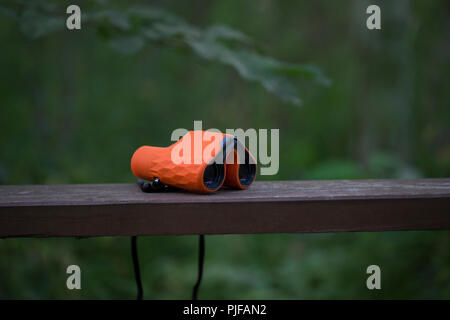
[[267, 207]]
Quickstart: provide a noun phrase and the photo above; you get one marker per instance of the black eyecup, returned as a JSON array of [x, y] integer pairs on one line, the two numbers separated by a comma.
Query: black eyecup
[[247, 174], [247, 171], [213, 175]]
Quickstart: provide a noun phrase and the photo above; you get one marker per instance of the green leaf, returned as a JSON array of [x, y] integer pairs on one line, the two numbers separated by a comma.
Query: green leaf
[[250, 66], [176, 30], [150, 13], [306, 71], [219, 32], [112, 17]]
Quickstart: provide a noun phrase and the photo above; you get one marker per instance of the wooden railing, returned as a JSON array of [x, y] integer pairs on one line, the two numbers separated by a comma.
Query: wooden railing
[[267, 207]]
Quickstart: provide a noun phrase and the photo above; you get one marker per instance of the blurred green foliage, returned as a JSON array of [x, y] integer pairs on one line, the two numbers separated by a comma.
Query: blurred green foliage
[[73, 111], [128, 28]]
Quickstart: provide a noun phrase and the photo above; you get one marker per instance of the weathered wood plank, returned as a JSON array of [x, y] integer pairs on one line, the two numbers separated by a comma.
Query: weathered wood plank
[[267, 207]]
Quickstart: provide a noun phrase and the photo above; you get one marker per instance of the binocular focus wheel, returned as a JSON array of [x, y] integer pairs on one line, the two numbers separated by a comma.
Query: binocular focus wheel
[[151, 186]]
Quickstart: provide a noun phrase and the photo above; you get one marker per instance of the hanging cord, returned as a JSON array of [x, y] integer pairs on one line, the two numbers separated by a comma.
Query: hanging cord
[[137, 272], [201, 259], [152, 186], [157, 186]]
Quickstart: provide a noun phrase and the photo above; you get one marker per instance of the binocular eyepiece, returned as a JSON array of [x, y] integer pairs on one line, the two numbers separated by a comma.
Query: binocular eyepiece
[[201, 161]]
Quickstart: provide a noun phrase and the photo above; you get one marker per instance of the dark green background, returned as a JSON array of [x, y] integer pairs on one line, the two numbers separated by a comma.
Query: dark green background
[[72, 110]]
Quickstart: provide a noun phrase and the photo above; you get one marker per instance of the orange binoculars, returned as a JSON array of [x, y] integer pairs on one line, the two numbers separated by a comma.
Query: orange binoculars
[[201, 161]]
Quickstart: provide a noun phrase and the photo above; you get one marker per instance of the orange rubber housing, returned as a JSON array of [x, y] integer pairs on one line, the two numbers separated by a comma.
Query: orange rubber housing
[[187, 170]]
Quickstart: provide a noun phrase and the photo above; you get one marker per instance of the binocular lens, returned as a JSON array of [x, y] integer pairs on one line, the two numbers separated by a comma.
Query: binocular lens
[[247, 173], [213, 175]]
